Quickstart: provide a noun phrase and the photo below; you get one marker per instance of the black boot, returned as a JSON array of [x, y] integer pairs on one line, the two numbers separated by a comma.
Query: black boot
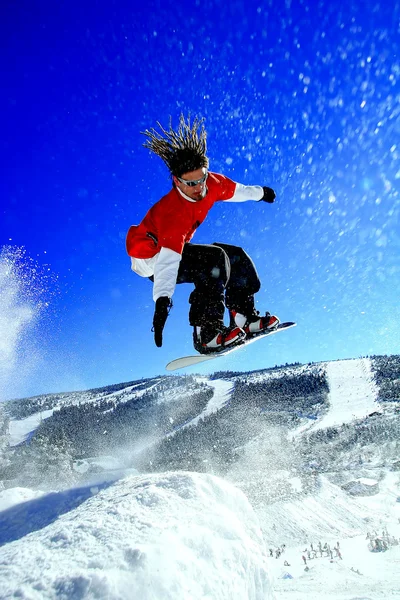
[[215, 337], [243, 313]]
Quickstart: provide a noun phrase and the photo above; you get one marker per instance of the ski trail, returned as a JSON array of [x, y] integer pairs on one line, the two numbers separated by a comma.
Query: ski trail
[[352, 392], [352, 395], [222, 394], [22, 429]]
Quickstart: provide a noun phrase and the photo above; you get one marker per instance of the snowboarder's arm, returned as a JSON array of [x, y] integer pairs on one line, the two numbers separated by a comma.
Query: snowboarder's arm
[[165, 273], [243, 193]]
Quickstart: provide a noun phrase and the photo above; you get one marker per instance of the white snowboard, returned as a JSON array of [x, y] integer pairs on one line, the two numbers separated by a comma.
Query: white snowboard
[[187, 361]]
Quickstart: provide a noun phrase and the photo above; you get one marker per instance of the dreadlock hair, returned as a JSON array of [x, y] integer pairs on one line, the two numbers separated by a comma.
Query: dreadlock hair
[[183, 150]]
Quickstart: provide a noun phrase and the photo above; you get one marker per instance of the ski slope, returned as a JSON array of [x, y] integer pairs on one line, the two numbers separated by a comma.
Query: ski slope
[[352, 392], [222, 394], [352, 395], [21, 429]]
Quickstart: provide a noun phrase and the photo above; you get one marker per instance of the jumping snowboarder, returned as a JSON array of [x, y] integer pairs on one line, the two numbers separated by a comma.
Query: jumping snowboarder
[[223, 275]]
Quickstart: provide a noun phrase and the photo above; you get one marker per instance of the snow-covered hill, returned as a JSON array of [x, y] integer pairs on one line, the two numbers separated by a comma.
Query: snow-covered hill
[[176, 535], [289, 439]]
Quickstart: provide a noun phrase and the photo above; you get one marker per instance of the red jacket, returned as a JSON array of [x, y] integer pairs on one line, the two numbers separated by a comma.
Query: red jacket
[[172, 221]]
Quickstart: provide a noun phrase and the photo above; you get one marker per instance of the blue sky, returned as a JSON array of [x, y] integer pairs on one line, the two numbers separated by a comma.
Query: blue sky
[[300, 96]]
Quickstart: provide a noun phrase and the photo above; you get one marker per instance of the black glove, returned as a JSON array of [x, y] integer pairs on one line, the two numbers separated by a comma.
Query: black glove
[[269, 195], [163, 306]]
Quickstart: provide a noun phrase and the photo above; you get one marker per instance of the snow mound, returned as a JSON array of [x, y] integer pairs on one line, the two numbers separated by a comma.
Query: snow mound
[[169, 536]]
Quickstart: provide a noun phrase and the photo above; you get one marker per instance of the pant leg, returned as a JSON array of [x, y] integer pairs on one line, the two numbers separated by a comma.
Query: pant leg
[[208, 267], [243, 282]]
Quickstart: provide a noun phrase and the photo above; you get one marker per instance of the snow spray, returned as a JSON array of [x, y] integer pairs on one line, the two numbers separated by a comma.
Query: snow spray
[[24, 285]]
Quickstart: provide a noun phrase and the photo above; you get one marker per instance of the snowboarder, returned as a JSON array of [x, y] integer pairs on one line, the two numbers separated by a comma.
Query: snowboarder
[[223, 275]]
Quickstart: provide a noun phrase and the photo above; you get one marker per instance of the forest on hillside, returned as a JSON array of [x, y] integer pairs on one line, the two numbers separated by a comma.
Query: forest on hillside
[[386, 371], [100, 424], [254, 408], [264, 405]]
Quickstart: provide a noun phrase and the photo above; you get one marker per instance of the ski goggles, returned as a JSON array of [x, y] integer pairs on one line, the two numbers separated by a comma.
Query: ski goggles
[[194, 182]]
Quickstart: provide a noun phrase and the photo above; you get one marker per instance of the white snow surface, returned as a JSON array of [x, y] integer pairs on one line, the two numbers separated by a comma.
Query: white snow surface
[[21, 429], [334, 518], [352, 392], [12, 496], [166, 536], [222, 393]]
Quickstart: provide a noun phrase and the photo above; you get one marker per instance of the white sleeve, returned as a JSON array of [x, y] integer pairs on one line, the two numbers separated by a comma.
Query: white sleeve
[[165, 273], [246, 192]]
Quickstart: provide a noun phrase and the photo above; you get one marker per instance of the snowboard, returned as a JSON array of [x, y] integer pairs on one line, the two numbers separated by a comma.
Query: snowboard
[[187, 361]]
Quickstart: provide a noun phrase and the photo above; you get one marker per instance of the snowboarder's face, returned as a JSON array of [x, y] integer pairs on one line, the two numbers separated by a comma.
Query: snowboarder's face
[[196, 187]]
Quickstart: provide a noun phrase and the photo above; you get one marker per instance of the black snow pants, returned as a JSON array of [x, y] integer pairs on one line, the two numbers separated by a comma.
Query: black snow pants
[[223, 276]]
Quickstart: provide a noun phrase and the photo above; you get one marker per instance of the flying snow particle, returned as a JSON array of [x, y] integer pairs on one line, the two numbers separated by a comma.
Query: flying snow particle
[[25, 288]]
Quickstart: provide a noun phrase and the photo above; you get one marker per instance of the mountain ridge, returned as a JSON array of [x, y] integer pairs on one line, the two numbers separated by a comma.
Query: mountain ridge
[[312, 448]]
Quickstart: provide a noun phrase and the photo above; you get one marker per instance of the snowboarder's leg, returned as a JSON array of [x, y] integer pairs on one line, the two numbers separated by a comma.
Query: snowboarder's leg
[[208, 267], [239, 297]]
